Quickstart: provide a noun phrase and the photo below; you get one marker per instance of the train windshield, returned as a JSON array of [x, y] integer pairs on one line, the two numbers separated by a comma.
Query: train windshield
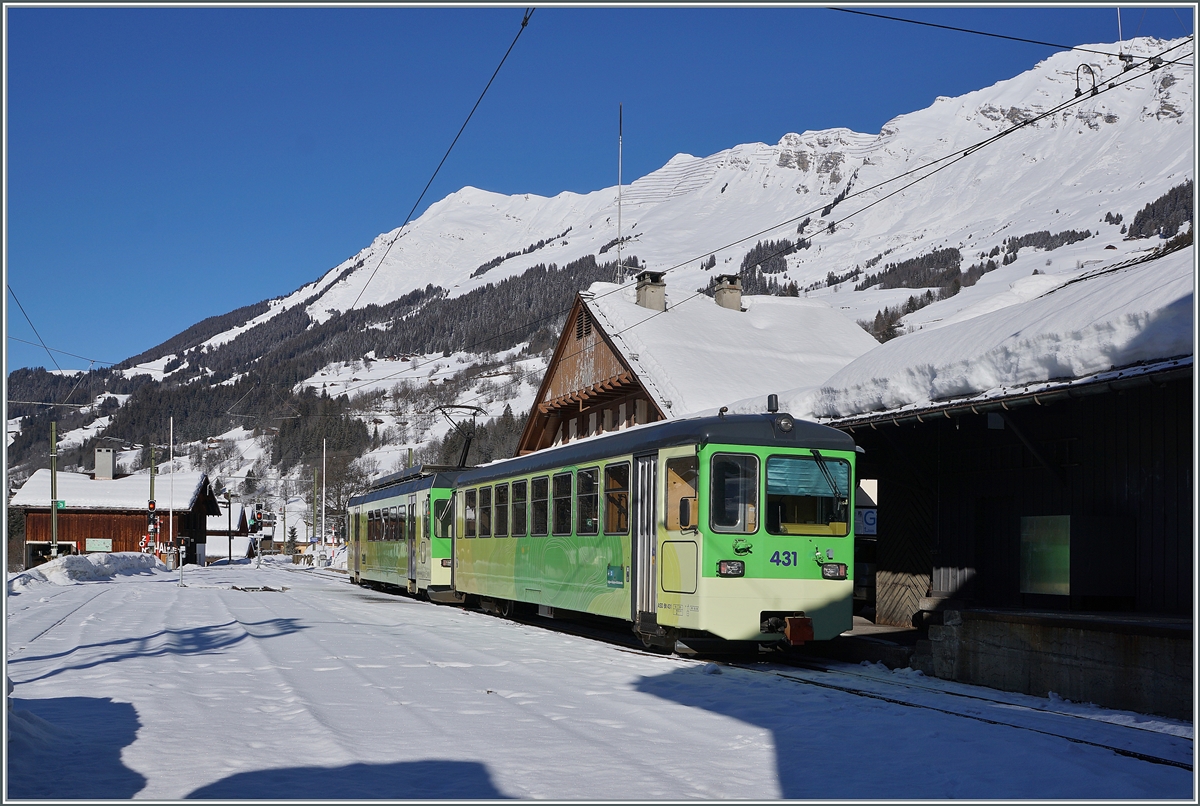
[[807, 495]]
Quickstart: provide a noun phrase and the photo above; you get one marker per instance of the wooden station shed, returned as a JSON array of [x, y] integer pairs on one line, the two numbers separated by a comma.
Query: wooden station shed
[[1041, 525], [111, 514], [630, 355]]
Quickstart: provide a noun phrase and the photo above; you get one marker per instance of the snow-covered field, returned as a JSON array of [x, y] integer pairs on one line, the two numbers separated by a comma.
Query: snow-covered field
[[277, 682]]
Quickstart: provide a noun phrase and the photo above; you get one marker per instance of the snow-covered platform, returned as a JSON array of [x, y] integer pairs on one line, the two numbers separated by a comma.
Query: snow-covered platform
[[281, 682]]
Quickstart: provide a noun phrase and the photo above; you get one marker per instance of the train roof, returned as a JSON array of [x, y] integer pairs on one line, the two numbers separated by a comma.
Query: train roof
[[410, 480], [735, 429]]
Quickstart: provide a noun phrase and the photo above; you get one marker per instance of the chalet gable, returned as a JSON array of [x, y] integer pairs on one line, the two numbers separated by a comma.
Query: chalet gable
[[588, 387]]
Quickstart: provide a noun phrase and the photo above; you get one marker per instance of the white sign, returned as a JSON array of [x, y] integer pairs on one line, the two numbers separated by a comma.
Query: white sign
[[864, 520]]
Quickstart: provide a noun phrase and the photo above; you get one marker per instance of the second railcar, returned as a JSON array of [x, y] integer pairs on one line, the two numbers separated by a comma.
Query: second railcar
[[399, 533]]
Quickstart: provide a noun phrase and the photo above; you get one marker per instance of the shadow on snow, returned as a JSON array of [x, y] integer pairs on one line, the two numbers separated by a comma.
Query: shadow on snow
[[184, 641], [408, 780], [906, 752], [46, 760]]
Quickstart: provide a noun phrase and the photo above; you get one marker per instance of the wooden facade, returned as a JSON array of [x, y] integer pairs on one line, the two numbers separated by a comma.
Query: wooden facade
[[588, 388], [961, 493], [124, 528]]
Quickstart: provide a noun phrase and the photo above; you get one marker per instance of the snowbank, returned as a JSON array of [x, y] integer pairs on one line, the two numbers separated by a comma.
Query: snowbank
[[78, 568], [1110, 319], [339, 558]]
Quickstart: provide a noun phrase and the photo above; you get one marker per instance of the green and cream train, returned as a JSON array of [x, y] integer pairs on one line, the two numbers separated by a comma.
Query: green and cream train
[[728, 528]]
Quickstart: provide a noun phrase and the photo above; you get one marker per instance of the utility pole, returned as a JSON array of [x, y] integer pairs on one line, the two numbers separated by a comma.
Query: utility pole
[[229, 505], [323, 478], [153, 522], [53, 489], [314, 509], [171, 506], [283, 511]]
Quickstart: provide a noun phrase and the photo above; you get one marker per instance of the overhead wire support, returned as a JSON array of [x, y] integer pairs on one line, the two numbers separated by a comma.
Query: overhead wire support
[[35, 330], [949, 159], [972, 31], [400, 232]]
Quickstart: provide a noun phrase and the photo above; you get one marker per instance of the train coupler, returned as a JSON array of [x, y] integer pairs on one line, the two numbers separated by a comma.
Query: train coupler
[[797, 630]]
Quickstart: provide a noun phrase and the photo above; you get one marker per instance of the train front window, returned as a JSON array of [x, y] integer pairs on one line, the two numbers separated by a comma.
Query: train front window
[[734, 503], [808, 496]]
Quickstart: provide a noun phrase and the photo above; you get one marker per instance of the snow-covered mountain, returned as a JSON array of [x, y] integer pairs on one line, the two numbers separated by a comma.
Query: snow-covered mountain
[[1112, 152], [852, 204]]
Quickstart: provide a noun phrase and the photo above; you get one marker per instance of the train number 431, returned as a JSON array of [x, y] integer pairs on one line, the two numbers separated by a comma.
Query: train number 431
[[786, 558]]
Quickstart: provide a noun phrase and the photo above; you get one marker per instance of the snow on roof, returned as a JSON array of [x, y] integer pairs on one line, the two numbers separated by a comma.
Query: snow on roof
[[1114, 317], [218, 546], [80, 491], [698, 356], [220, 523]]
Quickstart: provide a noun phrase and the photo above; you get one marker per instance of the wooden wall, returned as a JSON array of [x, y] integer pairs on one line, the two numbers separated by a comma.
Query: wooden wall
[[952, 493], [125, 529]]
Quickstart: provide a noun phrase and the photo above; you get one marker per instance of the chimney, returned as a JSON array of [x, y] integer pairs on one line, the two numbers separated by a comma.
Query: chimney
[[652, 291], [106, 464], [728, 291]]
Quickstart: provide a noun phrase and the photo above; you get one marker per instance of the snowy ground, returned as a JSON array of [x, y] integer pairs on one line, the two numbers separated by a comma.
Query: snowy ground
[[128, 685]]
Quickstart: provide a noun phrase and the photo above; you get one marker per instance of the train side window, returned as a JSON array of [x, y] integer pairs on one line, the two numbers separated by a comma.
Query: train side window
[[734, 502], [540, 498], [398, 523], [425, 517], [370, 525], [412, 519], [469, 513], [485, 511], [519, 491], [587, 501], [681, 492], [616, 499], [562, 503], [501, 516]]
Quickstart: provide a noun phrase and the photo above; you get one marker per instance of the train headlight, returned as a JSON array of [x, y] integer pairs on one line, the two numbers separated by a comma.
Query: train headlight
[[833, 570], [446, 563], [731, 568], [785, 423]]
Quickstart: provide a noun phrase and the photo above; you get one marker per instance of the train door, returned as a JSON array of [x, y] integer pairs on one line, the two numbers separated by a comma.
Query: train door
[[645, 540], [410, 516], [356, 533]]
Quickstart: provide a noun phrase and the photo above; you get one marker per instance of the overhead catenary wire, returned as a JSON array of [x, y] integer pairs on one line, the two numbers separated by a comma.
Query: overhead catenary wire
[[31, 325], [948, 160], [936, 165], [400, 231], [971, 31]]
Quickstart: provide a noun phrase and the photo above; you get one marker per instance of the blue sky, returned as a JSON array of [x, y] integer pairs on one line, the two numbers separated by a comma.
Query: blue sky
[[169, 164]]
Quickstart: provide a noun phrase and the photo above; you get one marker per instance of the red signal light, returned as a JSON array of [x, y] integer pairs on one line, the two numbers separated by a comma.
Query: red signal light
[[151, 505]]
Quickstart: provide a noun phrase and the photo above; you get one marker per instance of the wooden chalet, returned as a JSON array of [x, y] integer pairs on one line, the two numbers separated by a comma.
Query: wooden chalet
[[626, 357], [99, 514]]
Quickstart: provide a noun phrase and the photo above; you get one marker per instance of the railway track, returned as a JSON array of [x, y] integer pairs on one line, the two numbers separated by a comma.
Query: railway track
[[1171, 749], [1131, 741]]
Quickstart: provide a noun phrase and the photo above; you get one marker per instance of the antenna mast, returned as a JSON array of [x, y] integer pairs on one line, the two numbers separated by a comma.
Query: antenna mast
[[620, 265]]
